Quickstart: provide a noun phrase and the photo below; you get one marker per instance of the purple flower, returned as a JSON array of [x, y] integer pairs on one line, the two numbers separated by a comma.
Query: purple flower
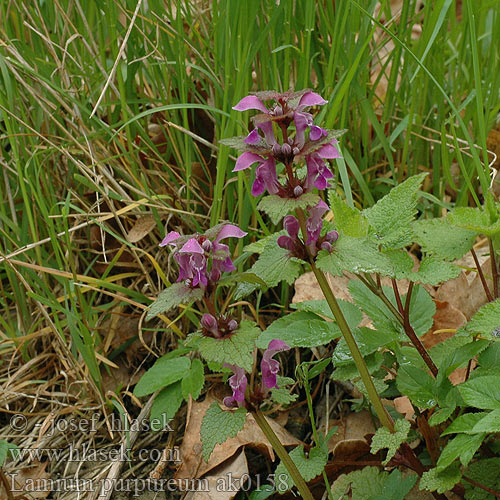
[[266, 177], [270, 367], [217, 328], [315, 222], [317, 171], [238, 383], [303, 120], [196, 253], [292, 242]]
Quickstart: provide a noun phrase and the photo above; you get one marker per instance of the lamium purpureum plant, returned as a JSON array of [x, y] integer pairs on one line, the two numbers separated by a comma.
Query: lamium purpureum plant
[[290, 154]]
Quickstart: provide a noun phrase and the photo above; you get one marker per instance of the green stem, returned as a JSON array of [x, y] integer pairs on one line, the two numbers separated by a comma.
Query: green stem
[[315, 433], [284, 456], [382, 414]]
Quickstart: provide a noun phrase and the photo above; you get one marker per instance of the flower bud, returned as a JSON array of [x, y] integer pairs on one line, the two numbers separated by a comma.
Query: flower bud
[[206, 245], [278, 110], [326, 246], [209, 322], [276, 149], [297, 191], [287, 149], [232, 325], [295, 151], [332, 236]]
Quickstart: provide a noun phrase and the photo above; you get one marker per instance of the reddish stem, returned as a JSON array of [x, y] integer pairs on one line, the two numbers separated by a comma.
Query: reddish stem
[[481, 276]]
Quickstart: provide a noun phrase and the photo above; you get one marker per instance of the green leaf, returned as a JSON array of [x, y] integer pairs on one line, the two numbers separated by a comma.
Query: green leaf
[[165, 406], [356, 255], [396, 487], [464, 423], [164, 372], [261, 494], [442, 481], [349, 371], [392, 216], [383, 438], [281, 394], [422, 308], [273, 266], [368, 341], [433, 271], [485, 472], [193, 382], [440, 239], [474, 219], [173, 296], [490, 357], [300, 329], [482, 392], [489, 423], [418, 385], [348, 221], [232, 278], [238, 143], [462, 446], [277, 207], [351, 312], [309, 467], [236, 349], [5, 447], [486, 321], [361, 484], [441, 415], [218, 425]]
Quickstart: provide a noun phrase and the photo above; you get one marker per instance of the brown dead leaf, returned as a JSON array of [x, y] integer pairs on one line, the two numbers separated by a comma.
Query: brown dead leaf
[[351, 432], [193, 465], [446, 318], [142, 227], [403, 405], [460, 374], [32, 481], [224, 481]]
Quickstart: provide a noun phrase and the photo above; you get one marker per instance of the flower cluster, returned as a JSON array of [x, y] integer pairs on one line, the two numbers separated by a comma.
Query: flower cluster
[[269, 368], [314, 241], [202, 258], [310, 142]]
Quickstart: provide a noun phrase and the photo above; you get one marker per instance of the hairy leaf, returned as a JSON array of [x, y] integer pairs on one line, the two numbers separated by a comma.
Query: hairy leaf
[[383, 438], [392, 216], [165, 406], [482, 392], [462, 446], [277, 207], [300, 329], [193, 382], [348, 221], [236, 349], [218, 425], [173, 296], [441, 481], [164, 372], [486, 321]]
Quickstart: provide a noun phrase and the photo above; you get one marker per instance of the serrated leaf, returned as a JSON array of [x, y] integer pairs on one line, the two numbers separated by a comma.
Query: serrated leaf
[[356, 255], [433, 271], [490, 357], [486, 321], [433, 480], [277, 207], [482, 392], [441, 415], [281, 394], [349, 221], [396, 487], [238, 143], [164, 372], [473, 219], [485, 472], [165, 406], [418, 385], [300, 329], [462, 446], [236, 349], [273, 266], [309, 467], [489, 423], [349, 371], [219, 425], [351, 312], [383, 438], [464, 423], [440, 239], [368, 341], [173, 296], [362, 484], [392, 216], [193, 382]]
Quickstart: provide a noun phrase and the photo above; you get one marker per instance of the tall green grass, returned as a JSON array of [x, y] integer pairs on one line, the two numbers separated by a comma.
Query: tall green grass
[[153, 139]]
